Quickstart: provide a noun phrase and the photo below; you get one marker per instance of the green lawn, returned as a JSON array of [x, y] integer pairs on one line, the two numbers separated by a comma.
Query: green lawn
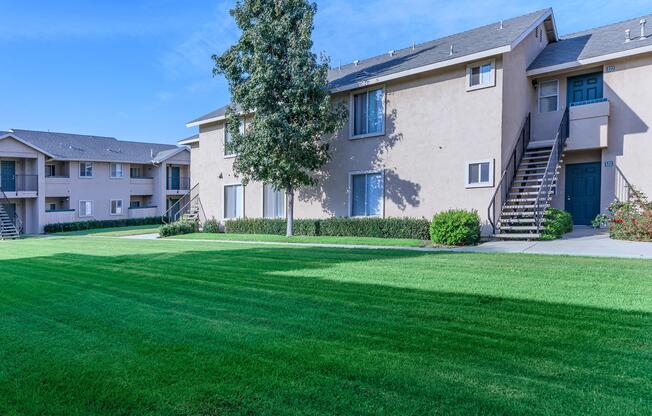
[[116, 231], [96, 326], [402, 242]]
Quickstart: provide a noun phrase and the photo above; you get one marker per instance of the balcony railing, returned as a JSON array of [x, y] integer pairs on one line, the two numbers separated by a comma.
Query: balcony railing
[[19, 183], [178, 184]]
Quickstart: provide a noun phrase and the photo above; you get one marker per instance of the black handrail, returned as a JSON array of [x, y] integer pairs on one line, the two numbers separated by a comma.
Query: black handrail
[[4, 201], [509, 172], [177, 209], [550, 175]]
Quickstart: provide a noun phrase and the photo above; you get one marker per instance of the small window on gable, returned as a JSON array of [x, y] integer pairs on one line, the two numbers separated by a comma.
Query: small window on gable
[[548, 96], [480, 174], [481, 75]]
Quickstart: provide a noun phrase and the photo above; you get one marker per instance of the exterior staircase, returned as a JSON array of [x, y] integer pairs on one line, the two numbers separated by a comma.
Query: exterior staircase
[[188, 207], [8, 228], [525, 190]]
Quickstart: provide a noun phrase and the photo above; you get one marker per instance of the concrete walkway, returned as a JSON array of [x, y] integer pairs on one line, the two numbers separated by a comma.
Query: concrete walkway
[[583, 241]]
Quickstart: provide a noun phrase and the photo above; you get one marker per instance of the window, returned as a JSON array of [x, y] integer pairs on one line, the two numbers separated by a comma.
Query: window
[[369, 113], [480, 174], [134, 204], [52, 206], [367, 191], [85, 169], [85, 208], [116, 207], [273, 202], [135, 172], [233, 201], [116, 170], [480, 75], [228, 139], [548, 96], [50, 170]]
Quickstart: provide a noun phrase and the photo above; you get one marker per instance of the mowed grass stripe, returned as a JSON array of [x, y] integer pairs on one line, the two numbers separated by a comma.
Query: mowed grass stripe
[[186, 328]]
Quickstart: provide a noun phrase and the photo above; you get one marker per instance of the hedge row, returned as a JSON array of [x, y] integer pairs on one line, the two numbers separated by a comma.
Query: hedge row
[[93, 224], [346, 227]]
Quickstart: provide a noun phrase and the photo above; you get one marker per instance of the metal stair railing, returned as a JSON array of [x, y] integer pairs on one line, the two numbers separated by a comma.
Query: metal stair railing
[[6, 204], [550, 174], [180, 207], [496, 206]]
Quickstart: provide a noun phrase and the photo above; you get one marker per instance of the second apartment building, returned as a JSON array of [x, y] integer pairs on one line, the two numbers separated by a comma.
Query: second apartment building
[[50, 177]]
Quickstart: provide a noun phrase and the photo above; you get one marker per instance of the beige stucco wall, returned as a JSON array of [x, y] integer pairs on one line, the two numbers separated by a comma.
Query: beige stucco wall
[[433, 127]]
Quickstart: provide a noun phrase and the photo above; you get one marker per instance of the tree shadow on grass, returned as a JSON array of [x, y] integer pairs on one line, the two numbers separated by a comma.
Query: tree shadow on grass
[[274, 330]]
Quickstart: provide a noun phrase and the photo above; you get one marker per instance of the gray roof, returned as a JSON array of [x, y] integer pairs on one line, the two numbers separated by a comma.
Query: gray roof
[[220, 112], [593, 43], [466, 43], [66, 146]]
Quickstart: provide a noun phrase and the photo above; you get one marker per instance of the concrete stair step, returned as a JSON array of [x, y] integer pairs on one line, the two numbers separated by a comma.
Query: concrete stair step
[[519, 228], [518, 236]]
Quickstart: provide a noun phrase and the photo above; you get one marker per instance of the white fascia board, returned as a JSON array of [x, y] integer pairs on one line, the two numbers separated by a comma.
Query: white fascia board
[[589, 61], [186, 142], [207, 121]]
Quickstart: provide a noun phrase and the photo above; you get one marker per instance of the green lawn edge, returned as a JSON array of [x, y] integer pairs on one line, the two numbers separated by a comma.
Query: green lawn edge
[[300, 239]]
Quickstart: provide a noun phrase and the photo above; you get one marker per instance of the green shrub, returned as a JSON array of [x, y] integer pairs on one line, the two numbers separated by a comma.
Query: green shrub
[[413, 228], [178, 228], [94, 224], [456, 227], [345, 227], [556, 223], [270, 226], [211, 226]]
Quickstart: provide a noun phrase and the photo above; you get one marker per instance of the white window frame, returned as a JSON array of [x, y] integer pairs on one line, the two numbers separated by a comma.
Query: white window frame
[[263, 204], [488, 184], [138, 168], [121, 208], [86, 214], [492, 81], [122, 171], [53, 168], [79, 171], [242, 131], [350, 191], [226, 185], [352, 135], [539, 97]]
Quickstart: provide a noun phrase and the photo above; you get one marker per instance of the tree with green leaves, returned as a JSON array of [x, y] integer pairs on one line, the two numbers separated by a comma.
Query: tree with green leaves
[[274, 76]]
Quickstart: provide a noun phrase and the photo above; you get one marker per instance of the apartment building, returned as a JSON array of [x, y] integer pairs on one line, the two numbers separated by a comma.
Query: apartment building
[[506, 119], [59, 177]]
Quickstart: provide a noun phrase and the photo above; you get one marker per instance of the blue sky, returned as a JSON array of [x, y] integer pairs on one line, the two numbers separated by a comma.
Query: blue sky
[[140, 69]]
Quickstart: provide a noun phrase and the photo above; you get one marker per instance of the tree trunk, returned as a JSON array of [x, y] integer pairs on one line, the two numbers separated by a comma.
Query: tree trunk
[[290, 212]]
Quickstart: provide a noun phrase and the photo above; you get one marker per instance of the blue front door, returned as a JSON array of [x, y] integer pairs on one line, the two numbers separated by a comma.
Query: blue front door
[[583, 191], [585, 88], [175, 178], [8, 175]]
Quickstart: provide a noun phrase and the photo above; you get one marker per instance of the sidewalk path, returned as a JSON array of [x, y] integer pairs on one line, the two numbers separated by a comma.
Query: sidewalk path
[[584, 241]]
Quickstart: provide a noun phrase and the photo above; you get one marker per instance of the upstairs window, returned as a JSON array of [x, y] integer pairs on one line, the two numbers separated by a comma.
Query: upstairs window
[[481, 75], [273, 202], [228, 139], [85, 169], [135, 172], [369, 112], [50, 170], [116, 170], [367, 192], [480, 174], [548, 96]]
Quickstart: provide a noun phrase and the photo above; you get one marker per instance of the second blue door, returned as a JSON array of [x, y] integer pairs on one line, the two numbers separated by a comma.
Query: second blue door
[[585, 88]]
